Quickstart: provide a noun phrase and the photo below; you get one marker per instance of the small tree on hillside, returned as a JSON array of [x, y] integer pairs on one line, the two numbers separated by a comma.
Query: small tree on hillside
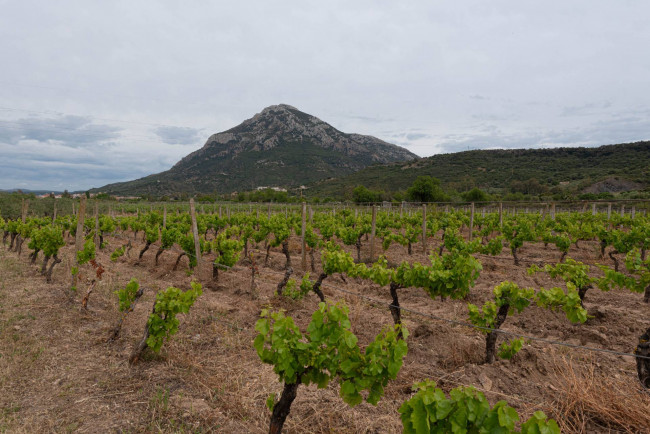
[[426, 189], [475, 195], [361, 194]]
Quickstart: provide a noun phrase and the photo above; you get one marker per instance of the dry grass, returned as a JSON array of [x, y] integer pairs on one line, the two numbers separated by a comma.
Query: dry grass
[[590, 401], [58, 373]]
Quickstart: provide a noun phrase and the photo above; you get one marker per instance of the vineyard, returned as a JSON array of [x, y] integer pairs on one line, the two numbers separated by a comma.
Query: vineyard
[[256, 318]]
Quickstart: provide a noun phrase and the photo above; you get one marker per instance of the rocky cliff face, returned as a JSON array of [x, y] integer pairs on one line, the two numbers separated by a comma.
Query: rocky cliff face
[[280, 146]]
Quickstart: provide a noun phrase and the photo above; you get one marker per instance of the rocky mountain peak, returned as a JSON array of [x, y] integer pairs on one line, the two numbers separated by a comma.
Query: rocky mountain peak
[[278, 108], [282, 124], [279, 146], [280, 118]]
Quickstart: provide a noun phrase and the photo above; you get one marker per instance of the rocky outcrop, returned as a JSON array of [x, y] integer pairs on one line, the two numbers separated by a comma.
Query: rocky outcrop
[[612, 185]]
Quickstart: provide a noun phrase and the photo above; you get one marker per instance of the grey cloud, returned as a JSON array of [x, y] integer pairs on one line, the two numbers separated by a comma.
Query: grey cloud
[[372, 119], [179, 135], [46, 165], [586, 109], [417, 136], [406, 139], [489, 117], [600, 133], [70, 131], [50, 172], [583, 110], [58, 176]]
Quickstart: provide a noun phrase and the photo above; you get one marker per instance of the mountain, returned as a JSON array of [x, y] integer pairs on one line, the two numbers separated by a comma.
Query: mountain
[[606, 168], [278, 147]]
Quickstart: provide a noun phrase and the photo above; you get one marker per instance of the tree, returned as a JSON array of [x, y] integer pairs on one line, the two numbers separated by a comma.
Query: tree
[[426, 189], [399, 196], [361, 194], [475, 195], [530, 186], [104, 196]]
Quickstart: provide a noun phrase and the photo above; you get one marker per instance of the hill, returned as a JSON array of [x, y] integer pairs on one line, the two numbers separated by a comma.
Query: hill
[[623, 166], [279, 147]]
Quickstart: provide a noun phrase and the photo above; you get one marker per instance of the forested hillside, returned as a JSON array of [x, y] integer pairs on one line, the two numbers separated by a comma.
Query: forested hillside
[[499, 171]]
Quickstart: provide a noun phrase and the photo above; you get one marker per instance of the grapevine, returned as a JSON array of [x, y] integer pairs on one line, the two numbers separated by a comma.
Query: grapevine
[[328, 351], [162, 322], [466, 410]]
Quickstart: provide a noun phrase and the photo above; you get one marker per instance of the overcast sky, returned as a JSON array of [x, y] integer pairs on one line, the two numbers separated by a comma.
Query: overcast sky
[[99, 92]]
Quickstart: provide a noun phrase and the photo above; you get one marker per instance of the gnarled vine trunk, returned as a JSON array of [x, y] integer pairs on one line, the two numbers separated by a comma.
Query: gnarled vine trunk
[[253, 272], [146, 247], [313, 261], [395, 310], [582, 291], [285, 280], [643, 363], [358, 246], [514, 255], [33, 256], [283, 406], [285, 250], [603, 246], [140, 347], [127, 250], [84, 301], [491, 339], [215, 271], [317, 285], [615, 259], [178, 260], [158, 253], [115, 332], [48, 277], [46, 259], [19, 244]]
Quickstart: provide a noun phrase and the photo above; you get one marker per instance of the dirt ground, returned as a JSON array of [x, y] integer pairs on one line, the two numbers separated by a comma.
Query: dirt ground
[[58, 373]]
